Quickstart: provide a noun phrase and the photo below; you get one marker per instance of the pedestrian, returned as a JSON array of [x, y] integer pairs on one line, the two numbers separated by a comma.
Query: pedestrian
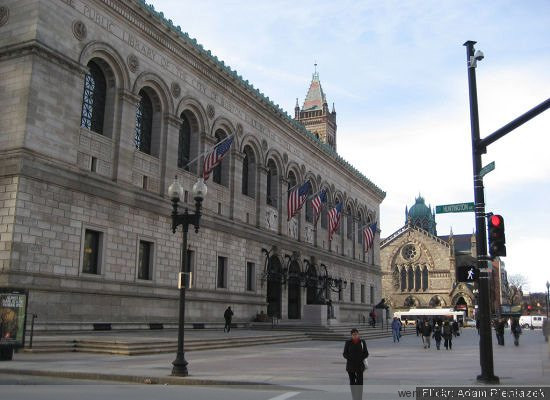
[[426, 334], [447, 335], [373, 318], [516, 330], [396, 329], [355, 353], [477, 325], [228, 316], [455, 329], [499, 330], [437, 336], [418, 327], [405, 324]]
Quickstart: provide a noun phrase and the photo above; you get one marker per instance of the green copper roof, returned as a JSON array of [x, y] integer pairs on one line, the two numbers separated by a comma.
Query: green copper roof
[[261, 97]]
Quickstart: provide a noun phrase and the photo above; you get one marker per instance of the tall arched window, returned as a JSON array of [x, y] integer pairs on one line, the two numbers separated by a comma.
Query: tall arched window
[[244, 185], [324, 216], [93, 102], [425, 278], [144, 123], [291, 183], [360, 224], [221, 171], [403, 279], [349, 224], [417, 277], [410, 278], [309, 210], [249, 173], [184, 145], [272, 182]]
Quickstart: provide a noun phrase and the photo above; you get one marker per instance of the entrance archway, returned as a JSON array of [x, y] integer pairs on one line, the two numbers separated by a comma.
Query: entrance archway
[[294, 306], [461, 305], [274, 288]]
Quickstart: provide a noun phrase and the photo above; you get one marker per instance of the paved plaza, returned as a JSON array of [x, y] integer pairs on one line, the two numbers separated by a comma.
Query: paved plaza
[[306, 367]]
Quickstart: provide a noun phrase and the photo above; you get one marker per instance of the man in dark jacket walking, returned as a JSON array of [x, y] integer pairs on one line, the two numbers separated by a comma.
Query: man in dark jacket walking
[[355, 352], [426, 333], [228, 316]]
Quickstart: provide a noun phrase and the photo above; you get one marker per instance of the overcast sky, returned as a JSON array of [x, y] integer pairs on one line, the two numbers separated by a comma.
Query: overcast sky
[[396, 72]]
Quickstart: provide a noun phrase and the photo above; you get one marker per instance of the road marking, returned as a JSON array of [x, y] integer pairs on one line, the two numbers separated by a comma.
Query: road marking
[[285, 396]]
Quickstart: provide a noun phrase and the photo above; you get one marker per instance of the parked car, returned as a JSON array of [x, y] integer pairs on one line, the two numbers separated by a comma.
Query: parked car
[[470, 322], [531, 321]]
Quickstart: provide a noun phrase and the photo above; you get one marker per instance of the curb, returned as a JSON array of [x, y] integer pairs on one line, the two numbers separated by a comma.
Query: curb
[[145, 380]]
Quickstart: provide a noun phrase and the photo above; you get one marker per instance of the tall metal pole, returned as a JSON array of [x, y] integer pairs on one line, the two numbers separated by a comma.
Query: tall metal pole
[[547, 297], [485, 343], [180, 364]]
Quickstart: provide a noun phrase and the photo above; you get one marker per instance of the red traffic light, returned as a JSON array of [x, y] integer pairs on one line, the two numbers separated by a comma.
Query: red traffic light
[[496, 220]]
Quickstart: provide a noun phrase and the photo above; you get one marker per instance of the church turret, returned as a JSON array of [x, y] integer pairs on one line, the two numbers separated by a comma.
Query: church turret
[[315, 114]]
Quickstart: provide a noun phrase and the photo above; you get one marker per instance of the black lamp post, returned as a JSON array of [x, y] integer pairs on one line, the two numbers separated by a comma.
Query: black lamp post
[[176, 193], [547, 296]]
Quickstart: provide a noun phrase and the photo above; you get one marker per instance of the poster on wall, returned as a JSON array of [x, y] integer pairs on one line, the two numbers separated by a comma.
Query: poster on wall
[[13, 316]]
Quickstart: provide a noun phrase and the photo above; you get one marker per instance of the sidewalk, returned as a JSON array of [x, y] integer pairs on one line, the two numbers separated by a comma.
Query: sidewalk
[[305, 364]]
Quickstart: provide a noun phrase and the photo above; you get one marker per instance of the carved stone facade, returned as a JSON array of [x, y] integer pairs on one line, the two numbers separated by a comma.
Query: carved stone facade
[[419, 269], [77, 191]]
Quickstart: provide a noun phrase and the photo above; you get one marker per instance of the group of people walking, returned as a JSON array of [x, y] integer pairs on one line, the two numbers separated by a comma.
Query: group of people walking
[[515, 330], [438, 330]]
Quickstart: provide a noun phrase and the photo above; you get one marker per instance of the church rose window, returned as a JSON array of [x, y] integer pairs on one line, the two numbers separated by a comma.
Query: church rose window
[[409, 252]]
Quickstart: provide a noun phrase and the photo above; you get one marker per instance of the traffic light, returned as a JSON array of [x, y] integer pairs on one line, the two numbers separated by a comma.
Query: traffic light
[[467, 273], [497, 240]]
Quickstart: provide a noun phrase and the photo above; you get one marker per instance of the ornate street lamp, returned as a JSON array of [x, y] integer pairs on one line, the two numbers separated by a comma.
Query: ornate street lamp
[[175, 192]]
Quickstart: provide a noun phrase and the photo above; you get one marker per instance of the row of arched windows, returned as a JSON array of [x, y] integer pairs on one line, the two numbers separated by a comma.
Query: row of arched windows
[[413, 278], [147, 123]]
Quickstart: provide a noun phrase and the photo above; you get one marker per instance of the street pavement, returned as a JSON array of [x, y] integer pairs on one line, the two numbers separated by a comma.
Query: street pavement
[[300, 370]]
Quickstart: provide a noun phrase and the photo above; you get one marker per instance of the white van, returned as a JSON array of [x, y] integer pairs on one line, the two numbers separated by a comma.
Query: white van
[[528, 321]]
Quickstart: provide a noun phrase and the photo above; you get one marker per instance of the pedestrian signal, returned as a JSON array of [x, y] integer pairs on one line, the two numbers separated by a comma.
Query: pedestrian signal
[[467, 273], [497, 239]]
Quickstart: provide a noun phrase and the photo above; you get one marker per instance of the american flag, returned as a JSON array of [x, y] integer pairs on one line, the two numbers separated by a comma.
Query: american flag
[[368, 236], [317, 204], [297, 198], [215, 157], [334, 219]]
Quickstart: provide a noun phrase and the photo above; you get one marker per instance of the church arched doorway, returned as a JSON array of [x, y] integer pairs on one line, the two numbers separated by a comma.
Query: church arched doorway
[[274, 288], [294, 306], [461, 305]]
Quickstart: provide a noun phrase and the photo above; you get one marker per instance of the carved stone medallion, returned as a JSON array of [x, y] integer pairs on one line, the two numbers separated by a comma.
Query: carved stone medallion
[[4, 15], [239, 130], [210, 111], [79, 30], [285, 158], [176, 89], [264, 145], [133, 63]]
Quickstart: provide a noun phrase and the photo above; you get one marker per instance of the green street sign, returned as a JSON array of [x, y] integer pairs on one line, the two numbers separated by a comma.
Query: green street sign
[[454, 208], [486, 169]]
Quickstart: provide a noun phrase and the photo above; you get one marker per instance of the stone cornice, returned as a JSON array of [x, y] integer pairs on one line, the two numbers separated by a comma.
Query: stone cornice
[[35, 47]]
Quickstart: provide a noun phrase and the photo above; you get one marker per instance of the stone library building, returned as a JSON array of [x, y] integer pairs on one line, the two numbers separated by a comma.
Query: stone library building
[[103, 104]]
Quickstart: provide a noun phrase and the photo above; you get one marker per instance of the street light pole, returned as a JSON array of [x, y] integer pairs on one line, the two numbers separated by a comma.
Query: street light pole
[[485, 343], [176, 193]]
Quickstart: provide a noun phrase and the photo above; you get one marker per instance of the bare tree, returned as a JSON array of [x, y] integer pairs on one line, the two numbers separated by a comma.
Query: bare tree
[[517, 283]]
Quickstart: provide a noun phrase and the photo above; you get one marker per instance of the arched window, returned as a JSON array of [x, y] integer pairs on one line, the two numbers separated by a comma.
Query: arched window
[[184, 145], [272, 182], [249, 173], [144, 123], [309, 210], [349, 224], [221, 171], [360, 224], [410, 278], [324, 216], [291, 182], [245, 175], [403, 279], [93, 102], [425, 278], [417, 277]]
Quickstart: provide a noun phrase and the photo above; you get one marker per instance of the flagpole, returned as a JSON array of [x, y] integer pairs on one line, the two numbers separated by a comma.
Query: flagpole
[[207, 151]]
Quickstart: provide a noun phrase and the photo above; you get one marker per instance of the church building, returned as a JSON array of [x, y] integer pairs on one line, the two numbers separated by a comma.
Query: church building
[[419, 267]]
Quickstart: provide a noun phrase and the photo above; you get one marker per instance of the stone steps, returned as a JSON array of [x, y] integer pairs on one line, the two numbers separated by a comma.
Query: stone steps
[[143, 347]]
